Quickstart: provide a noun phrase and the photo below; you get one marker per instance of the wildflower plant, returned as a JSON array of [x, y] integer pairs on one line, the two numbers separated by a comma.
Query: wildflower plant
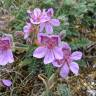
[[50, 46], [67, 63], [39, 32]]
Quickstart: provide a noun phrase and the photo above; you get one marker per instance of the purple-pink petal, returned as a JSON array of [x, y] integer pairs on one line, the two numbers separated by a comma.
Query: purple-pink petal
[[37, 12], [2, 58], [56, 63], [49, 57], [74, 68], [44, 19], [58, 53], [43, 38], [65, 45], [42, 26], [9, 56], [48, 28], [26, 35], [7, 38], [6, 82], [55, 22], [64, 71], [6, 57], [26, 30], [77, 55], [50, 12], [57, 39], [34, 21], [40, 52]]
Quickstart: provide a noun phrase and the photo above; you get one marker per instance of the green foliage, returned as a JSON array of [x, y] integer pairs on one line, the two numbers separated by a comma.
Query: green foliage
[[73, 12], [49, 70], [82, 63], [79, 43], [28, 60], [50, 2], [31, 63], [63, 90], [7, 3]]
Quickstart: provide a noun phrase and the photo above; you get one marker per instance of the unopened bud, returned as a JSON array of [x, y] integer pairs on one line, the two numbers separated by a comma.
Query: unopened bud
[[62, 34]]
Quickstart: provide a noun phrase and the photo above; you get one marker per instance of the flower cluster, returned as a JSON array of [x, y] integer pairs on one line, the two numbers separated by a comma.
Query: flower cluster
[[50, 46], [68, 62], [42, 19]]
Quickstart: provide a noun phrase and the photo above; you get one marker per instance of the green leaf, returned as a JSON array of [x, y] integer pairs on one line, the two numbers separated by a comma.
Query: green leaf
[[79, 43], [63, 90], [82, 63], [49, 70], [69, 2]]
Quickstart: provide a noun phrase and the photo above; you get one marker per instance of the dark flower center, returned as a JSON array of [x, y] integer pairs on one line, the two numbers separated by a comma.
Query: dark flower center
[[51, 44], [4, 44]]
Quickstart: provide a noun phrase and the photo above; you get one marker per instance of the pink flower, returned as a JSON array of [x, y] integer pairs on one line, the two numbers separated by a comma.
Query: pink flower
[[67, 63], [43, 19], [37, 16], [27, 30], [6, 82], [50, 48], [48, 25], [6, 55]]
